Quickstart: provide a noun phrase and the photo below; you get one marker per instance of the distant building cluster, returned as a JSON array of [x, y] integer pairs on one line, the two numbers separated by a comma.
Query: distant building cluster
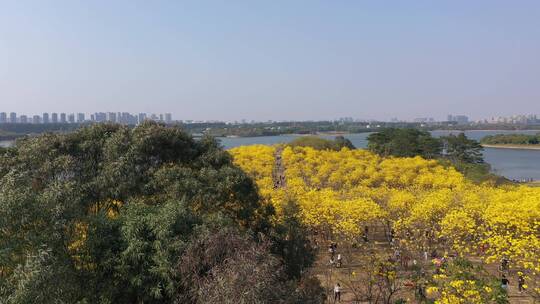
[[459, 119], [115, 117], [424, 120], [514, 119]]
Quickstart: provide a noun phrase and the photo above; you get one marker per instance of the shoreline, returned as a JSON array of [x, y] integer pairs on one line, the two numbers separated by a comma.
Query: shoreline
[[515, 147], [490, 130]]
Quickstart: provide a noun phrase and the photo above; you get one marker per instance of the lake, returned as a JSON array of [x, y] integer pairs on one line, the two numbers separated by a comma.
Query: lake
[[5, 143], [511, 163]]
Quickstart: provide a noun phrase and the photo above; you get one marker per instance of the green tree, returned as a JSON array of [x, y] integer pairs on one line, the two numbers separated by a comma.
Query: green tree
[[462, 149], [319, 143], [291, 242], [106, 214], [404, 143], [342, 142]]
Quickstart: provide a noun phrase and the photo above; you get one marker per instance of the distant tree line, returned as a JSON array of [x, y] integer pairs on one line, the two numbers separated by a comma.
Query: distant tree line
[[322, 144], [511, 139], [220, 129]]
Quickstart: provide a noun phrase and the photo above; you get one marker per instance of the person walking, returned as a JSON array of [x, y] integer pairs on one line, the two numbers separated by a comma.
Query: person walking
[[504, 283], [521, 282], [365, 235], [338, 264], [504, 264], [337, 293]]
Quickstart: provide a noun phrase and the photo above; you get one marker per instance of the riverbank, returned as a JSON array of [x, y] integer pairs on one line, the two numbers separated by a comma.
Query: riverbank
[[517, 147]]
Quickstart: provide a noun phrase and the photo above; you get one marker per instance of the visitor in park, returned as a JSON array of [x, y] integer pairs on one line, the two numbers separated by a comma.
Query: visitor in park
[[331, 251], [338, 265], [504, 283], [392, 235], [438, 265], [504, 264], [397, 255], [521, 282], [365, 236], [337, 293], [421, 294], [482, 248], [405, 261]]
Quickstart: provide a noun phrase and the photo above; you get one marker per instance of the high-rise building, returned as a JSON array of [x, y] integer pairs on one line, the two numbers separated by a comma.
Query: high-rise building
[[100, 117], [80, 117], [23, 119], [141, 118], [36, 119], [63, 118], [54, 117], [160, 117], [111, 116], [3, 117], [460, 119], [168, 118], [12, 117], [71, 118], [45, 117]]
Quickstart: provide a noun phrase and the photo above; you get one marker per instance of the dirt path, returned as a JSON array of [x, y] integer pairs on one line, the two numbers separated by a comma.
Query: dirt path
[[279, 170]]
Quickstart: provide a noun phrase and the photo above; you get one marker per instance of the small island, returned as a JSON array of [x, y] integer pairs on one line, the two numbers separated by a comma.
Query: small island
[[512, 141]]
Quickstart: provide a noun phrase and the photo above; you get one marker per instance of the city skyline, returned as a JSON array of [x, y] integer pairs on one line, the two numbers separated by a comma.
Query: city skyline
[[67, 117], [136, 118], [272, 61]]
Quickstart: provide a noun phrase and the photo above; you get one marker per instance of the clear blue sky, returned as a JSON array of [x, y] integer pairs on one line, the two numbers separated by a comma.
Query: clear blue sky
[[271, 59]]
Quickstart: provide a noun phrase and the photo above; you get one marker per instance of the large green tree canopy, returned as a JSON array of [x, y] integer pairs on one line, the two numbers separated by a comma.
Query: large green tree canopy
[[108, 214], [404, 143]]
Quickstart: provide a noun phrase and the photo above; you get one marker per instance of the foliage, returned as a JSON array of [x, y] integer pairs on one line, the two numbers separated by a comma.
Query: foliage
[[225, 267], [404, 143], [459, 281], [511, 139], [430, 206], [322, 144], [342, 142], [108, 214], [291, 241], [461, 149], [376, 281]]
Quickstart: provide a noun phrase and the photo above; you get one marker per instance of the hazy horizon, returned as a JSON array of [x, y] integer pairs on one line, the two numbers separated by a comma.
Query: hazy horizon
[[307, 60]]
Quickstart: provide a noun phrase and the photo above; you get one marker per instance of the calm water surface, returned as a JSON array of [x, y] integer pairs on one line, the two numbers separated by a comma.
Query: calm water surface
[[5, 143], [512, 163]]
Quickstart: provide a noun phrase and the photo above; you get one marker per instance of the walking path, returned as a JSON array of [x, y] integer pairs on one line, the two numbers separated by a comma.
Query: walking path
[[279, 170]]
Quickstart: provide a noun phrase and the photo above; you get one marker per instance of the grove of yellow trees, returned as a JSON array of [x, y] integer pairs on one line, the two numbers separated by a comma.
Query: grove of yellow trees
[[424, 203]]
